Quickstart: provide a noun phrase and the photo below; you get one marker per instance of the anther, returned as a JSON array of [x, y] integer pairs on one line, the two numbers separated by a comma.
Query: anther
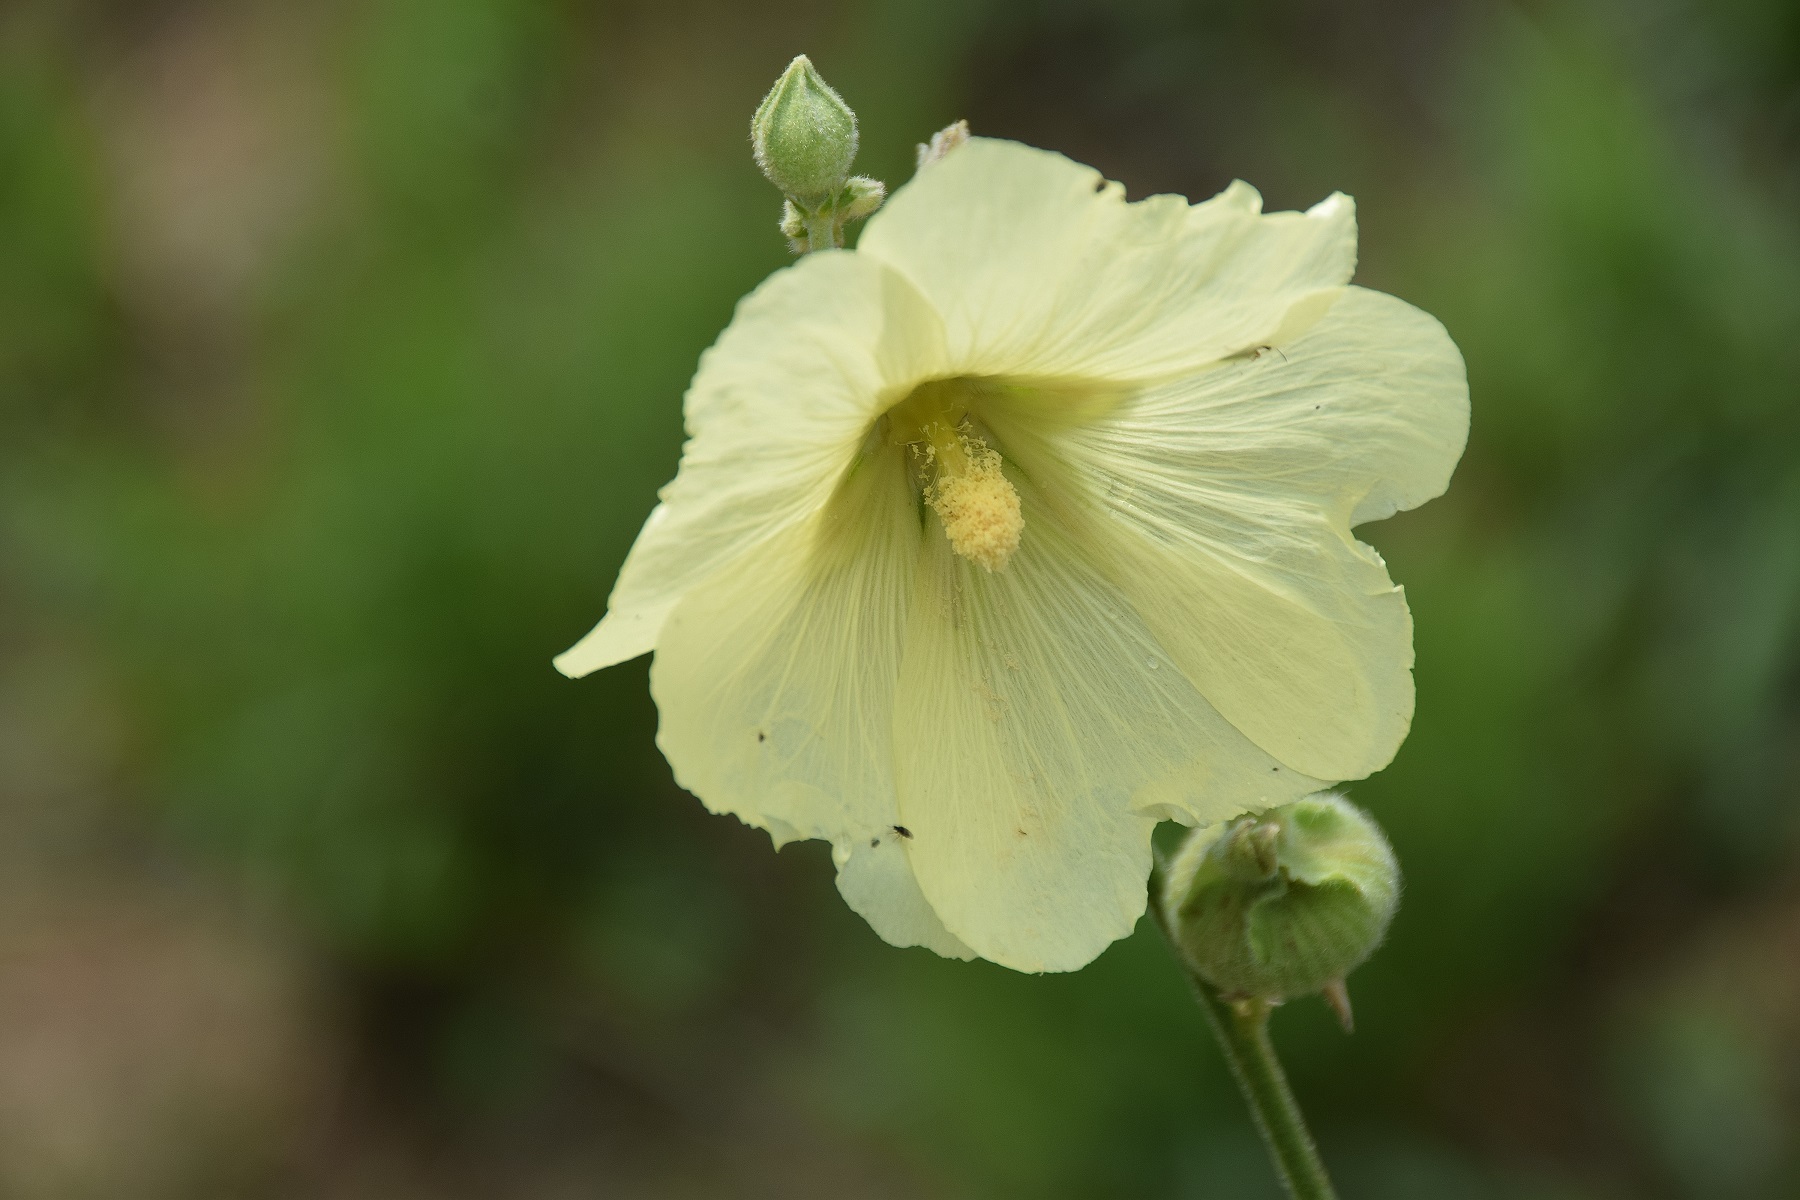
[[978, 506], [967, 488]]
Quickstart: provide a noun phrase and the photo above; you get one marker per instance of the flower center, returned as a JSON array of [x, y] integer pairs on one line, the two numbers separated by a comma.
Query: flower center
[[965, 485]]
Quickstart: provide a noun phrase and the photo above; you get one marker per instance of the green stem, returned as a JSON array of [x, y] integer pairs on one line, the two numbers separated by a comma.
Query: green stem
[[822, 230], [1242, 1028], [1243, 1031]]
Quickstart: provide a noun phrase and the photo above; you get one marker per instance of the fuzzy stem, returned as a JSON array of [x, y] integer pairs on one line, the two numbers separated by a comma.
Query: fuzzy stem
[[1242, 1028], [1243, 1032], [822, 230]]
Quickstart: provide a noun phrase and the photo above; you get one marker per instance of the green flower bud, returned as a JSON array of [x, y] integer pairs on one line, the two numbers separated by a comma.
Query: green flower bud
[[804, 136], [793, 227], [1285, 904], [861, 196]]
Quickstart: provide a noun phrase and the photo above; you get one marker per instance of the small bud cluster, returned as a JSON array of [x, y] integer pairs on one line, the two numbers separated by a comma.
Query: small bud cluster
[[859, 197], [804, 137], [1285, 904]]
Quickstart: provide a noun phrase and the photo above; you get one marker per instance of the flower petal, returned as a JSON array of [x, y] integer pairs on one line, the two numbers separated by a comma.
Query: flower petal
[[1228, 497], [775, 684], [876, 880], [1040, 267], [778, 407], [1039, 732]]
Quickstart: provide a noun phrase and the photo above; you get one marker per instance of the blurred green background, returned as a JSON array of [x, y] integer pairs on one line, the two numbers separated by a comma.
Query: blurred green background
[[341, 354]]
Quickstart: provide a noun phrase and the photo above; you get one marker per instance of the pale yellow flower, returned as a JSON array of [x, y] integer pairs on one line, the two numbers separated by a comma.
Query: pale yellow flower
[[1026, 524]]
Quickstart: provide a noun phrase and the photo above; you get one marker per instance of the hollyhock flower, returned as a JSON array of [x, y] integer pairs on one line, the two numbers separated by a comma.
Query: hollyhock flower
[[1026, 524]]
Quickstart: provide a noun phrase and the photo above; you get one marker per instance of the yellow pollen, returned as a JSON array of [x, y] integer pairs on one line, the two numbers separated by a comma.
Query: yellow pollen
[[969, 492], [977, 504]]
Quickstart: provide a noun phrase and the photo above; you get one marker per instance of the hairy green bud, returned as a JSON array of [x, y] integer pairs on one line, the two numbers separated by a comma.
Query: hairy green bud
[[1285, 904], [793, 227], [860, 197], [804, 136]]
